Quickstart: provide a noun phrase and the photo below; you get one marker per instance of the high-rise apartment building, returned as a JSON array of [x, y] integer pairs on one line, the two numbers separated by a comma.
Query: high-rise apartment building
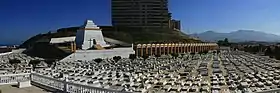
[[140, 13]]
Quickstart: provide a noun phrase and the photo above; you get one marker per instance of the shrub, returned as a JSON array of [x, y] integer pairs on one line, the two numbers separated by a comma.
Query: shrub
[[145, 57], [117, 58], [98, 60], [132, 56]]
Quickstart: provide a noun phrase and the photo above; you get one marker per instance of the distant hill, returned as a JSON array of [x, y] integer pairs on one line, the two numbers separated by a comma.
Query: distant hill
[[39, 46], [125, 34], [238, 36]]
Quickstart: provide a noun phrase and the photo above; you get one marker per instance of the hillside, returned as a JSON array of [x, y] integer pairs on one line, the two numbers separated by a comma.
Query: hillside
[[137, 35], [46, 51], [239, 36]]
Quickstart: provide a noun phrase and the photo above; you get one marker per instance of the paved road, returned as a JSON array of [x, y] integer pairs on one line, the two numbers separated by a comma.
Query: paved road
[[14, 89]]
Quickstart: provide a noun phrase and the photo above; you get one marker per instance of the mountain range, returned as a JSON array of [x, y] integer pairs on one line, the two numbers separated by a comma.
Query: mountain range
[[238, 36]]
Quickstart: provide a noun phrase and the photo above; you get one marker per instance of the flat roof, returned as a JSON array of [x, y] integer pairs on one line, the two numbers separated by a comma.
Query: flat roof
[[62, 40]]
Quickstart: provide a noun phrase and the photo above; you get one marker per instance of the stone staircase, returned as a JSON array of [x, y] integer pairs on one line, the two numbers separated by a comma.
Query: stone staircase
[[98, 47]]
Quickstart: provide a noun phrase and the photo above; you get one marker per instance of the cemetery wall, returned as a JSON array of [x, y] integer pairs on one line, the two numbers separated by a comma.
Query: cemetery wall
[[88, 55], [13, 51], [1, 54], [18, 50]]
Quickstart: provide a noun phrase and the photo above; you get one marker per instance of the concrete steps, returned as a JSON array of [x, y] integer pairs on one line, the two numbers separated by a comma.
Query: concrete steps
[[98, 47]]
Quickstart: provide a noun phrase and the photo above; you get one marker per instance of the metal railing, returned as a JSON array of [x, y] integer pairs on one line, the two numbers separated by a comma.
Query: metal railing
[[14, 78], [68, 87], [47, 81]]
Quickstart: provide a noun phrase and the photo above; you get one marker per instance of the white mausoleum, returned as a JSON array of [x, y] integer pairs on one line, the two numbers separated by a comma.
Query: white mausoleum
[[91, 44], [89, 35]]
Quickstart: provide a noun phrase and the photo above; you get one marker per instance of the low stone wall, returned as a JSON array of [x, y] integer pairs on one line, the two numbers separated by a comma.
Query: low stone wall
[[18, 50], [13, 51], [1, 54], [89, 55]]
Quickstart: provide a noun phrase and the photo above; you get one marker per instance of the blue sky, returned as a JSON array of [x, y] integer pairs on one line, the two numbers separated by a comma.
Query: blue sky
[[21, 19]]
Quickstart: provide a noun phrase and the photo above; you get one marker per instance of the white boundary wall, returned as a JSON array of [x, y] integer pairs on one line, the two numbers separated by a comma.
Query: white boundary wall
[[14, 78], [65, 86], [13, 51], [52, 84], [89, 55], [1, 54]]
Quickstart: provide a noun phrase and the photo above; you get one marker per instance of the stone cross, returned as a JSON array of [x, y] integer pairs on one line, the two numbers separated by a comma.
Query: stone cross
[[90, 40]]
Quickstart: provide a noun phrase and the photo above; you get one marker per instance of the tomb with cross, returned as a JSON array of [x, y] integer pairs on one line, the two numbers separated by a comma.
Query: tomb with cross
[[90, 35]]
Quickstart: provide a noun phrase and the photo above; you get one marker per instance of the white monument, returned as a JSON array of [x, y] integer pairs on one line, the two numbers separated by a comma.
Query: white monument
[[89, 36]]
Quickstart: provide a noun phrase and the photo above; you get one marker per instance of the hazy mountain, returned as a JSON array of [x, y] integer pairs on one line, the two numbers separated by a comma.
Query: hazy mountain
[[238, 36]]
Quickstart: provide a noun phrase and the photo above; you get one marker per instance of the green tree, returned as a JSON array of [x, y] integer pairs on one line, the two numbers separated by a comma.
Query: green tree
[[218, 51], [192, 54], [261, 46], [205, 52], [268, 51], [277, 57], [50, 62], [117, 58], [157, 56], [98, 60], [34, 63], [182, 54], [214, 52], [49, 33], [132, 56], [145, 57], [174, 55], [226, 43], [220, 42], [15, 63]]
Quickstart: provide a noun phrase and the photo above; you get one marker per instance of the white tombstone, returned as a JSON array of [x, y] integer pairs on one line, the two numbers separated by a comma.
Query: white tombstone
[[89, 35]]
